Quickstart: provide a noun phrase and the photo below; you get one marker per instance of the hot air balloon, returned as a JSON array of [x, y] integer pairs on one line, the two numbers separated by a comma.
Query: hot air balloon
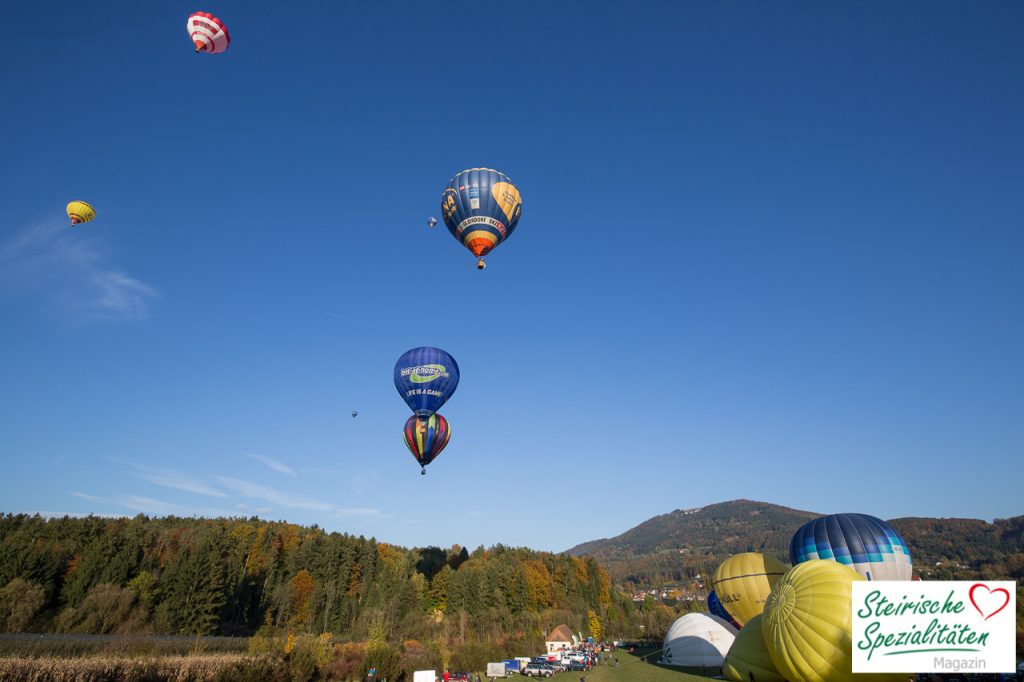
[[742, 583], [748, 657], [426, 438], [80, 212], [208, 33], [481, 208], [431, 222], [716, 609], [807, 624], [868, 545], [426, 378], [697, 640], [355, 414]]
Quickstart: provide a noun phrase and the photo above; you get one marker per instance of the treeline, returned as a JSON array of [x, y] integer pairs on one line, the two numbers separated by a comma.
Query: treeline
[[238, 577]]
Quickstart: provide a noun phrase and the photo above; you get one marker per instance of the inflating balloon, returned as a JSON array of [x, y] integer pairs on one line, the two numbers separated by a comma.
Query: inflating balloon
[[742, 583], [426, 438], [866, 544], [807, 624], [208, 33], [748, 659], [80, 212], [481, 208], [716, 609], [697, 640], [426, 378]]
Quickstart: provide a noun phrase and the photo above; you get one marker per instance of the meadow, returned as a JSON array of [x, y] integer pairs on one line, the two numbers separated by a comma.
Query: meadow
[[178, 659]]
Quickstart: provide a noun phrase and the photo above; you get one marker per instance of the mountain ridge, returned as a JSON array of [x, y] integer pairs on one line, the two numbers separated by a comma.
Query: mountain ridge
[[685, 543]]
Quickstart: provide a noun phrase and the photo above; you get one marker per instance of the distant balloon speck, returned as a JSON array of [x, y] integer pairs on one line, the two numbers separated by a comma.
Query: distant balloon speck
[[354, 413], [431, 222]]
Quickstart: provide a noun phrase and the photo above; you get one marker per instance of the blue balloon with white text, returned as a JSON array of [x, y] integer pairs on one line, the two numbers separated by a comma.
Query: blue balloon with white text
[[426, 378]]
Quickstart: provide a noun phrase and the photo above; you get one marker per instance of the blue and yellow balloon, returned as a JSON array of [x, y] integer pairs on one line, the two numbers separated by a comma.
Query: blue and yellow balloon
[[481, 209]]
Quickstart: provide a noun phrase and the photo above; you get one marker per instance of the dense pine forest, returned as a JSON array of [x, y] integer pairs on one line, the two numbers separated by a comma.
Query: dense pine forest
[[240, 577]]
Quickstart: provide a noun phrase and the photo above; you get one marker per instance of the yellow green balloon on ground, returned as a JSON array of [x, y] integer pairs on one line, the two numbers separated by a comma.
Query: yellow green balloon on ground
[[742, 583], [748, 659], [807, 624]]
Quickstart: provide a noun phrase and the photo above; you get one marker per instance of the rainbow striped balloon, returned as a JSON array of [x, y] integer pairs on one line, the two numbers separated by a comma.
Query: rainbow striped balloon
[[426, 438]]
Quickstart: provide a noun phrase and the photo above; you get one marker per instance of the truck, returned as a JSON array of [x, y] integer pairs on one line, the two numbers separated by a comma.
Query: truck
[[495, 670], [511, 666]]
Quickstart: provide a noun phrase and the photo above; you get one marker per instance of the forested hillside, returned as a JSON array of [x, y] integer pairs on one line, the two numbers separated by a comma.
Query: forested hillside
[[237, 577], [673, 548]]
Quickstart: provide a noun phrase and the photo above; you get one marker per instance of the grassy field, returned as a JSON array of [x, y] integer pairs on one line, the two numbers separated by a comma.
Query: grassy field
[[194, 668], [632, 668], [70, 646]]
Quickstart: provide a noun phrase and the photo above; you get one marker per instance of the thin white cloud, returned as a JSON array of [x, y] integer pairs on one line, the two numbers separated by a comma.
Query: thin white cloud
[[177, 480], [90, 498], [148, 505], [360, 481], [153, 507], [259, 510], [71, 272], [261, 492], [118, 295], [342, 317], [57, 515], [272, 463], [140, 504]]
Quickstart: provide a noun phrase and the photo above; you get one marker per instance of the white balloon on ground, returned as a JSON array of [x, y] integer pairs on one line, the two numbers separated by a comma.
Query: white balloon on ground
[[698, 640]]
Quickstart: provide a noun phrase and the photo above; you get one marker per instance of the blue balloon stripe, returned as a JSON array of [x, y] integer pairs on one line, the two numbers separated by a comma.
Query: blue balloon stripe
[[869, 545]]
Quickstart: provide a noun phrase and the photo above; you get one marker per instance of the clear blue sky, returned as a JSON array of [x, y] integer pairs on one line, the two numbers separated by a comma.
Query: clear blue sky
[[767, 250]]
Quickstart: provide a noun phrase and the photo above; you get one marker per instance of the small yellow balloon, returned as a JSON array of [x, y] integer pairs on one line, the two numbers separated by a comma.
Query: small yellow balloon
[[748, 659], [80, 212], [742, 583]]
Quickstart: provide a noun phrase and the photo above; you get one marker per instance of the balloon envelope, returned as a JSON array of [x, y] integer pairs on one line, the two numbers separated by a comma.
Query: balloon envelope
[[80, 212], [866, 544], [716, 609], [208, 33], [748, 658], [426, 438], [698, 640], [481, 209], [742, 583], [807, 624], [426, 378]]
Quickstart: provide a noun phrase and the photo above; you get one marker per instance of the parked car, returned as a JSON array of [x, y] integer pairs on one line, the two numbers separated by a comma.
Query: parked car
[[538, 670], [578, 665]]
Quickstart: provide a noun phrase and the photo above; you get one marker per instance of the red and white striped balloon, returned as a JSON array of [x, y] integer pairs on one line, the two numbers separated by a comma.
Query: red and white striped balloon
[[208, 33]]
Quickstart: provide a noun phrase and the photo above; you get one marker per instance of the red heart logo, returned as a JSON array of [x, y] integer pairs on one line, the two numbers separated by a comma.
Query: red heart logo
[[988, 600]]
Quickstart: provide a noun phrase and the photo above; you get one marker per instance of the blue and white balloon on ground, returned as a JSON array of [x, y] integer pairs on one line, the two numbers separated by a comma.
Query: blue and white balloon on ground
[[866, 544]]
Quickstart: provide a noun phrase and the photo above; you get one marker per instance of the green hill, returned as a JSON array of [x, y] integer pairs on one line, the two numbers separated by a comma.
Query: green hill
[[673, 548]]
